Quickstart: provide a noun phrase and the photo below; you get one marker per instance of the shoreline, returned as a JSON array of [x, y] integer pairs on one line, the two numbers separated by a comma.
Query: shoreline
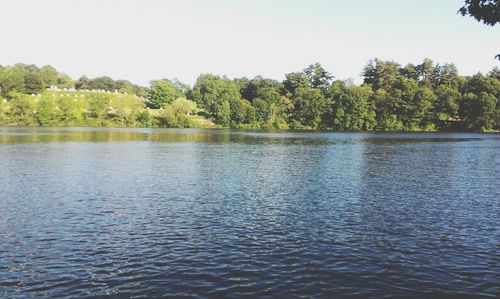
[[247, 129]]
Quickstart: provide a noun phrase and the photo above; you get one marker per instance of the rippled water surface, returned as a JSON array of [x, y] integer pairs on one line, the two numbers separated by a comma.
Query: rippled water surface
[[219, 213]]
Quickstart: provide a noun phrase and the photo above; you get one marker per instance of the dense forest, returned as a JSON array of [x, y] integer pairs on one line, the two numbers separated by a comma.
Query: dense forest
[[426, 96]]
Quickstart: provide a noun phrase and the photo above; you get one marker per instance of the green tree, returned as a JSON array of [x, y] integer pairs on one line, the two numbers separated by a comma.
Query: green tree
[[448, 76], [258, 87], [403, 103], [161, 93], [167, 118], [46, 112], [143, 119], [11, 80], [49, 76], [65, 81], [295, 81], [446, 104], [223, 114], [272, 109], [33, 82], [182, 87], [318, 76], [310, 105], [122, 114], [83, 83], [352, 110], [480, 111], [183, 106], [428, 72], [214, 94], [279, 111], [70, 112], [98, 108], [242, 112], [22, 110], [124, 86], [99, 83], [423, 116], [479, 108], [381, 74], [410, 72], [3, 112], [103, 83]]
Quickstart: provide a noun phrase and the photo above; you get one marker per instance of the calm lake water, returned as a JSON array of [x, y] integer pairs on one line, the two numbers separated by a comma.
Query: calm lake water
[[225, 213]]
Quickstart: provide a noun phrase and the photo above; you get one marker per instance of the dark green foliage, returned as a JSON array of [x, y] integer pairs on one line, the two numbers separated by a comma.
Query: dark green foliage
[[382, 74], [487, 11], [100, 83], [64, 81], [29, 79], [352, 108], [215, 95], [161, 93], [11, 80], [50, 76], [310, 107], [242, 112], [480, 105], [295, 81], [429, 97], [33, 83], [318, 76]]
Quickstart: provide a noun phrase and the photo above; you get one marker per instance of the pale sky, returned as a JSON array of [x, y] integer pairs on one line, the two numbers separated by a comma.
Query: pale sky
[[141, 40]]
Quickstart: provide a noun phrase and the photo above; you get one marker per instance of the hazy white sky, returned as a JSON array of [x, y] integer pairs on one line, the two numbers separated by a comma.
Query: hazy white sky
[[140, 40]]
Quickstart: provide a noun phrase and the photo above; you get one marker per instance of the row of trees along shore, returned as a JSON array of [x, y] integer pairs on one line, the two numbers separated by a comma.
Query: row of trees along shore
[[422, 97]]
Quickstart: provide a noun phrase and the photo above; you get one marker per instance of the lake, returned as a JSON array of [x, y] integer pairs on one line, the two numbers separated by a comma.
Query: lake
[[233, 213]]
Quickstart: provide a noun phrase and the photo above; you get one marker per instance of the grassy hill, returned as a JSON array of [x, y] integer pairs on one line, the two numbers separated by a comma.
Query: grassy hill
[[96, 109]]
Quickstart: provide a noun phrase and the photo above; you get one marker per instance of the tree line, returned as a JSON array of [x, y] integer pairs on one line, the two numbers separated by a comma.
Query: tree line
[[413, 97]]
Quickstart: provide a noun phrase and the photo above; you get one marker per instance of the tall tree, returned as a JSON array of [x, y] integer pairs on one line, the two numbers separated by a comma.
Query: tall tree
[[318, 76], [294, 81], [381, 74], [49, 75], [11, 80], [215, 95]]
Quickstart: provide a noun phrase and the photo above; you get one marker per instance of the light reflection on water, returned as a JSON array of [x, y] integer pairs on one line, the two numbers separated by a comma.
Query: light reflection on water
[[131, 212]]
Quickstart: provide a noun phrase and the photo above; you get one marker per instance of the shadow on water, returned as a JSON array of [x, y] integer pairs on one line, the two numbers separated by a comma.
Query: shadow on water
[[45, 135]]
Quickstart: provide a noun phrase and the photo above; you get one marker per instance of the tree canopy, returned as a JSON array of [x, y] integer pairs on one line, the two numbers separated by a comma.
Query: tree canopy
[[411, 97]]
